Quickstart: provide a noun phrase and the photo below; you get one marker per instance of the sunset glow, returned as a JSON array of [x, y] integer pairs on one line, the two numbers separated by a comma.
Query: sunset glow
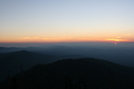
[[66, 21], [118, 40], [69, 39]]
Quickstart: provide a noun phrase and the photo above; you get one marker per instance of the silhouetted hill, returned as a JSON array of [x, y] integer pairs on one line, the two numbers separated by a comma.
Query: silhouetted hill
[[12, 61], [85, 73]]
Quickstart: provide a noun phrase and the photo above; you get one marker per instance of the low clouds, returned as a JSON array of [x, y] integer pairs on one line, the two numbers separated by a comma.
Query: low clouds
[[29, 38], [116, 39]]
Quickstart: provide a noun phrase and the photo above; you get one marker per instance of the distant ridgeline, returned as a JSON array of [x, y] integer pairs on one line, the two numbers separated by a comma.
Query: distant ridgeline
[[84, 73]]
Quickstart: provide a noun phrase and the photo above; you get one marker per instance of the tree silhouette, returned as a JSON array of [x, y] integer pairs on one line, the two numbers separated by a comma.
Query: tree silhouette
[[81, 84], [14, 83], [68, 82]]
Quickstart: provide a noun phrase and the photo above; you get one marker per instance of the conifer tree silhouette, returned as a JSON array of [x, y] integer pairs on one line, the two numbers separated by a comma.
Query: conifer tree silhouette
[[68, 83], [14, 83], [81, 84]]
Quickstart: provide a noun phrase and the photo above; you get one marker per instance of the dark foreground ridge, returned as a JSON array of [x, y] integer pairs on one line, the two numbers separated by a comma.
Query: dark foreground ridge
[[12, 61], [84, 73]]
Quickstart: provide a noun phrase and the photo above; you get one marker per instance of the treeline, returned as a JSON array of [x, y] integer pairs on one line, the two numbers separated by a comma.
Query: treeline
[[84, 73]]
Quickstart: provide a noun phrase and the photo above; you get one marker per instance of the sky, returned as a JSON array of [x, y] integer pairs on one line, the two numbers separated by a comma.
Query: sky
[[66, 21]]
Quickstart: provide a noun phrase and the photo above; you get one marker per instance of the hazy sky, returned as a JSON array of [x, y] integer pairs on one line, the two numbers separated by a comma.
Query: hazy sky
[[66, 20]]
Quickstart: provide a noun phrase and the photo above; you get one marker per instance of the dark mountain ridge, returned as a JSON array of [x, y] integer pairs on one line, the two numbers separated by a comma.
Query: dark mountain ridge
[[84, 73], [14, 60]]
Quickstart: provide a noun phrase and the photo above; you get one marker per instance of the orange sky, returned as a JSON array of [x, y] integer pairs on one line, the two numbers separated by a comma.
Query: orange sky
[[69, 39]]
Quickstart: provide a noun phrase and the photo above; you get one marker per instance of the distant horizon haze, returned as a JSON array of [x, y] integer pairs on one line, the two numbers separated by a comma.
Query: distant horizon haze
[[43, 44]]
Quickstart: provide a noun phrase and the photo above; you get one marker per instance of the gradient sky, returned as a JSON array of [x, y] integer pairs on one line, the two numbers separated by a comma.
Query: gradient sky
[[66, 20]]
